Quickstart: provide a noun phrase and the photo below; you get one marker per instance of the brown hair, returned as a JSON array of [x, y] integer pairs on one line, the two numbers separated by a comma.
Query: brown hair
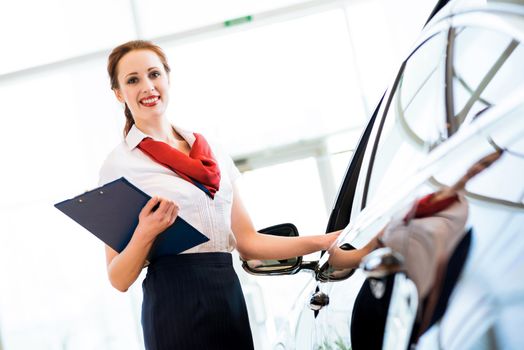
[[115, 57]]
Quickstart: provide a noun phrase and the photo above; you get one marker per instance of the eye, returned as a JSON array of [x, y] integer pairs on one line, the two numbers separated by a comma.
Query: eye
[[132, 80], [154, 74]]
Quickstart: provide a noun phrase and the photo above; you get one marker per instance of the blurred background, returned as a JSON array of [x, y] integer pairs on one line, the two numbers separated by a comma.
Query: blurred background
[[285, 86]]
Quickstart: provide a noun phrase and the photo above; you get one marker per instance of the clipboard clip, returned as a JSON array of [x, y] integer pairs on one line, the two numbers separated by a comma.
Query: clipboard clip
[[81, 200]]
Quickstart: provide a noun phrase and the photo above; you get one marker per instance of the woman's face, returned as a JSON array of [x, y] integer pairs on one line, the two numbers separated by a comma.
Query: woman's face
[[143, 85]]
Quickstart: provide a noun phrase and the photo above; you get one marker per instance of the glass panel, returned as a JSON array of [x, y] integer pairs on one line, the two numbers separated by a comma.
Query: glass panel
[[414, 118], [58, 137], [487, 68], [501, 181], [382, 33], [39, 32], [288, 83], [54, 292], [161, 17], [288, 192], [276, 194], [341, 148], [420, 106]]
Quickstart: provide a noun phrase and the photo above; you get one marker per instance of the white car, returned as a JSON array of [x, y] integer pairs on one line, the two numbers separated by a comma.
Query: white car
[[456, 97]]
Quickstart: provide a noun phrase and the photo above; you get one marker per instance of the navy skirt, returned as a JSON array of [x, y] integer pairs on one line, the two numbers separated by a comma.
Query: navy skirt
[[194, 301]]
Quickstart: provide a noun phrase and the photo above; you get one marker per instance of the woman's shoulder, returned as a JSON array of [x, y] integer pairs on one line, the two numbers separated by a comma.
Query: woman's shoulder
[[113, 164], [115, 155]]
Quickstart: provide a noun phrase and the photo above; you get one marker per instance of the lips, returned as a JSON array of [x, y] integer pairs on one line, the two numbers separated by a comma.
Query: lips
[[150, 101]]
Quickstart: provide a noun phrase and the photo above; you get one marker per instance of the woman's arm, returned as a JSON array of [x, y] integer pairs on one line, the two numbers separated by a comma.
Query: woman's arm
[[344, 259], [254, 245], [123, 269]]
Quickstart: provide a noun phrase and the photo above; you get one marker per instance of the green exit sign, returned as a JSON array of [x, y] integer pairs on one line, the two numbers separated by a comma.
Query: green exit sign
[[237, 21]]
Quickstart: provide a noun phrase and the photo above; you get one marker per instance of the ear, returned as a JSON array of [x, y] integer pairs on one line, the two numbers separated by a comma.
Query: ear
[[119, 95]]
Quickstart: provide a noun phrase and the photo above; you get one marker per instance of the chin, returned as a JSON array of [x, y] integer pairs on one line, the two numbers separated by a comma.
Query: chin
[[156, 112]]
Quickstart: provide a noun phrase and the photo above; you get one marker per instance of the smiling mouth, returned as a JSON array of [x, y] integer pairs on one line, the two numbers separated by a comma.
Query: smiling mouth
[[150, 101]]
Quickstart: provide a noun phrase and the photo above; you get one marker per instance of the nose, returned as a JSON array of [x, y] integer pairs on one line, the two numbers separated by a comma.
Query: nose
[[148, 86]]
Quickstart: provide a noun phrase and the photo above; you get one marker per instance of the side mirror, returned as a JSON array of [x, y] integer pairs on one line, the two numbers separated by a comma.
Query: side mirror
[[275, 267]]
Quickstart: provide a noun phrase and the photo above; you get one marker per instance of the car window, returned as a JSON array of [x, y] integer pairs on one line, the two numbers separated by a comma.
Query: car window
[[501, 183], [487, 66], [480, 68], [415, 118]]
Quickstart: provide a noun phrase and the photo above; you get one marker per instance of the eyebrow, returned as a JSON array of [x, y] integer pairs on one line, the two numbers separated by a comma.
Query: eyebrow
[[149, 69]]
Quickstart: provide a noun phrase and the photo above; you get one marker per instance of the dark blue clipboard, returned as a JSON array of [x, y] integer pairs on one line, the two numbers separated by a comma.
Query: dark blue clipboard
[[110, 212]]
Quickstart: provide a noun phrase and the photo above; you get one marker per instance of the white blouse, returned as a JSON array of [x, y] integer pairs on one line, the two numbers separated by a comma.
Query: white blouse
[[212, 217]]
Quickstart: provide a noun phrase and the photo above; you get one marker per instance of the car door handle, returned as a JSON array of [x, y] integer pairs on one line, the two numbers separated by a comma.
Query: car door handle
[[318, 301]]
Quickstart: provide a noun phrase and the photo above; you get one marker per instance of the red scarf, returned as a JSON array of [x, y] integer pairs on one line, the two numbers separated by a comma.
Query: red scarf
[[423, 208], [200, 167]]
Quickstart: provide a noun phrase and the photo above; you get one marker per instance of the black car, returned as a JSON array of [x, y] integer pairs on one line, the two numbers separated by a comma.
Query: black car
[[458, 96]]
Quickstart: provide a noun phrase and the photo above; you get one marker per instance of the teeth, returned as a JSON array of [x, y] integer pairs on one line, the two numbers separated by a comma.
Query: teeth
[[150, 100]]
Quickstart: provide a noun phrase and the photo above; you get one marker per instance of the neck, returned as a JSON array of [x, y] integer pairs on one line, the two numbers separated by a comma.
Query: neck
[[161, 130]]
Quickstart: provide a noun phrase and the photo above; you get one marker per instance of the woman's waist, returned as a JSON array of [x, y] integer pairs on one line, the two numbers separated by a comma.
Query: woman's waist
[[192, 260]]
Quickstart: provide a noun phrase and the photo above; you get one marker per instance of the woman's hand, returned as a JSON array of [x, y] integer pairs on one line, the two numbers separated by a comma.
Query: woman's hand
[[343, 259], [155, 217], [328, 239]]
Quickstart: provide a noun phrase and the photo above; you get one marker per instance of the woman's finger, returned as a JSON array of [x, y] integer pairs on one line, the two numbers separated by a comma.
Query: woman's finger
[[174, 213], [170, 215], [164, 206], [150, 205]]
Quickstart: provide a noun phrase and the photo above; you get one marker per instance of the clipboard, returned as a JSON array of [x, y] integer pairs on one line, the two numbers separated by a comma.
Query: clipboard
[[110, 212]]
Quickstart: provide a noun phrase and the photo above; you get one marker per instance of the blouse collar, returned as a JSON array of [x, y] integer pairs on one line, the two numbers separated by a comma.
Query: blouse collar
[[135, 135]]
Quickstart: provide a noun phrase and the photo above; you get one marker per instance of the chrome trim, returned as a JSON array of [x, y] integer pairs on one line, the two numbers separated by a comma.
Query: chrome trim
[[451, 123]]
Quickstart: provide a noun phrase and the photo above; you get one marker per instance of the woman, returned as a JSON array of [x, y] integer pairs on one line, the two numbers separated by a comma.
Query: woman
[[192, 300]]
